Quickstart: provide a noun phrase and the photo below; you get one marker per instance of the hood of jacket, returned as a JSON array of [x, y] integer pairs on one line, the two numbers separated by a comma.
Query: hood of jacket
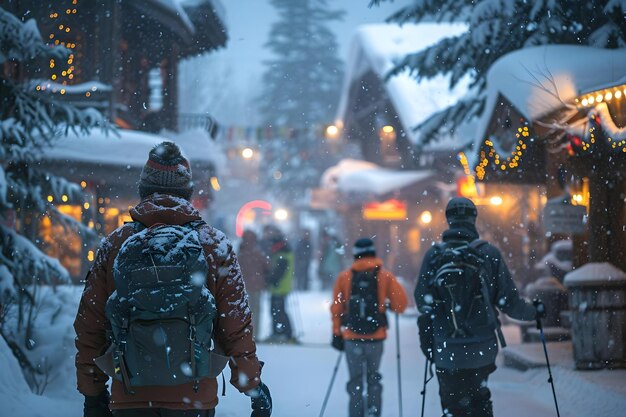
[[366, 263], [460, 231], [164, 208]]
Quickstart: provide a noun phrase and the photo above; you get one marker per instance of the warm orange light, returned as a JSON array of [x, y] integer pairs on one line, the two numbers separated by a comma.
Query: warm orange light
[[386, 210], [426, 217], [332, 132]]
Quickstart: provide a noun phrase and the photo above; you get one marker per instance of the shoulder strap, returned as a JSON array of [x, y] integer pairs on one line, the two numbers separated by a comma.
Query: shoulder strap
[[476, 244]]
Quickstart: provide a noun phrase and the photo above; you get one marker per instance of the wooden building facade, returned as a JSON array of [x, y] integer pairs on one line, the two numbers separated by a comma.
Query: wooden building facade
[[124, 54]]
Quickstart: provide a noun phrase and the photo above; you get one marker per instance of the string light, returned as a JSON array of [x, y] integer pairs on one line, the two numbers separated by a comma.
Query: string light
[[595, 133], [503, 163], [62, 29], [607, 94]]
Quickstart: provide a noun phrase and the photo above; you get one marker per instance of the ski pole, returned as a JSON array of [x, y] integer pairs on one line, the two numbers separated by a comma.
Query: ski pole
[[398, 360], [298, 314], [423, 393], [363, 384], [330, 387], [545, 351]]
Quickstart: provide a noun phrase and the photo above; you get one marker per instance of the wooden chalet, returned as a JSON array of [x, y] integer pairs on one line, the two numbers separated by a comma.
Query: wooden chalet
[[549, 110], [125, 53], [124, 62], [399, 191]]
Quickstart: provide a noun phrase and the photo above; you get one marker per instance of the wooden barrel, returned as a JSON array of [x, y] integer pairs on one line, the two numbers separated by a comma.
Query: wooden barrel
[[598, 316]]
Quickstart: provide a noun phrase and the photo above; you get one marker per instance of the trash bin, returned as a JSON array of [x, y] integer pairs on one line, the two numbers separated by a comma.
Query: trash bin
[[598, 315]]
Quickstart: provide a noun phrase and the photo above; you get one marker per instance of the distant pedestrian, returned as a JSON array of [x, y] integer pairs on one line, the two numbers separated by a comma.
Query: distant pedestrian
[[302, 260], [254, 267], [279, 283], [330, 262], [360, 297], [461, 282]]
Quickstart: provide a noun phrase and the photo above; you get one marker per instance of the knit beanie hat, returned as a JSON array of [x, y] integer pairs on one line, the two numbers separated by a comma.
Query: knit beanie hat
[[166, 171], [461, 210], [364, 247]]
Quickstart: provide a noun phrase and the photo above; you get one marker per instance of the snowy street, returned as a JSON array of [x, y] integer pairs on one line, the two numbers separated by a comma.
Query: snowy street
[[298, 376], [191, 184]]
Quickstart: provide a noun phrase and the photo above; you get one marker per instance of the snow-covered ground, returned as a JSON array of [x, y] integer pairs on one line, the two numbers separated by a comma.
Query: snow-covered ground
[[298, 376]]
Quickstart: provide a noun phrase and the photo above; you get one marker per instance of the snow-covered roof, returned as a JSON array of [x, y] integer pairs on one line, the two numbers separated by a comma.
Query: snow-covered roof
[[89, 86], [127, 148], [356, 176], [538, 80], [175, 9], [188, 18], [595, 274], [377, 47]]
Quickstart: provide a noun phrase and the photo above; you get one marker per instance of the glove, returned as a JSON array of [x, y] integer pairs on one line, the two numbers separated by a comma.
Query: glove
[[261, 401], [540, 308], [337, 342], [97, 406]]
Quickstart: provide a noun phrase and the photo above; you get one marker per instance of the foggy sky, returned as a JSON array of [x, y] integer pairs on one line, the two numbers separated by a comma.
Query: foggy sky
[[239, 66]]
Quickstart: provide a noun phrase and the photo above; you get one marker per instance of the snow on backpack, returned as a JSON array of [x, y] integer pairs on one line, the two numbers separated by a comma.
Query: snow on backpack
[[460, 291], [363, 316], [161, 313]]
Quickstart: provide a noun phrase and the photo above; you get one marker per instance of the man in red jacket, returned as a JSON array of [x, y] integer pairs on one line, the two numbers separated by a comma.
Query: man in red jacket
[[360, 323], [165, 189]]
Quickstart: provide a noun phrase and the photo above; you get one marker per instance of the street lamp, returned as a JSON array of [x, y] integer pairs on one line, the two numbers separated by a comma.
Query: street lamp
[[387, 132], [281, 215], [247, 153], [426, 217], [332, 132]]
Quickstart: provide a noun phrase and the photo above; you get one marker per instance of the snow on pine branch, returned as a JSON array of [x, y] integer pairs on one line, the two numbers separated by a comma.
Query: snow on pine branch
[[22, 41], [26, 263]]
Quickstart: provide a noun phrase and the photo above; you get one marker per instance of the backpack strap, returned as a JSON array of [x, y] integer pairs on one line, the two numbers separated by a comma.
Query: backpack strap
[[476, 244]]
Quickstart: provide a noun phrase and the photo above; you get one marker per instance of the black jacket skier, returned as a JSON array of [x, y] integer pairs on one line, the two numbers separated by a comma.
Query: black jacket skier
[[463, 364]]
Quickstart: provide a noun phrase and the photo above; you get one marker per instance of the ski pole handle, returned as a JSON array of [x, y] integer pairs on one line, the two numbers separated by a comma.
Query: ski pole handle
[[540, 309]]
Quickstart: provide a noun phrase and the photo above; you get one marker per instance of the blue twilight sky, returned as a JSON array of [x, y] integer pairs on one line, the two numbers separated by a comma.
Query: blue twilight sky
[[238, 68]]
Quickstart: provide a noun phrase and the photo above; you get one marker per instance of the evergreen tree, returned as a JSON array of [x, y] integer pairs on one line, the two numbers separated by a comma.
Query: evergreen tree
[[497, 27], [30, 122], [302, 83]]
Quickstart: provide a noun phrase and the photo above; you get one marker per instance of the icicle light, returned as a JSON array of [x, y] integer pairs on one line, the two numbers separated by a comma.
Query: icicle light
[[601, 96]]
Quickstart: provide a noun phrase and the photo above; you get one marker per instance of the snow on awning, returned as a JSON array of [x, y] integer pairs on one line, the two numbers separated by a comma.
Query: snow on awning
[[540, 80], [127, 148], [355, 176], [378, 47]]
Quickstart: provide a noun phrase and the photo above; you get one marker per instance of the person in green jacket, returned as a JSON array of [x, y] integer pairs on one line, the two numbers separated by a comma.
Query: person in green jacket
[[280, 283]]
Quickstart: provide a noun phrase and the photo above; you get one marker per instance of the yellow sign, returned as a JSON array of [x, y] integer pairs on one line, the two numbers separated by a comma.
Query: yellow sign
[[386, 210]]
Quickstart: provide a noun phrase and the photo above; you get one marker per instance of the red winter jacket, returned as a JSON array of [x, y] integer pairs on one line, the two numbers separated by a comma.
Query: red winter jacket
[[232, 326]]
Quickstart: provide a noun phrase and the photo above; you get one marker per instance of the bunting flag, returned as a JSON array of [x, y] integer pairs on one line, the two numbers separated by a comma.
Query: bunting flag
[[260, 133]]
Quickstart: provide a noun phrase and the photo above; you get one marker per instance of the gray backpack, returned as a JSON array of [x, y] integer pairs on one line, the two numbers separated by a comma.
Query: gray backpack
[[161, 312]]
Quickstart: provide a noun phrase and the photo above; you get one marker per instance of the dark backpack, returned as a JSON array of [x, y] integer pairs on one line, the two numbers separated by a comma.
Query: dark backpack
[[460, 291], [363, 316], [161, 312]]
